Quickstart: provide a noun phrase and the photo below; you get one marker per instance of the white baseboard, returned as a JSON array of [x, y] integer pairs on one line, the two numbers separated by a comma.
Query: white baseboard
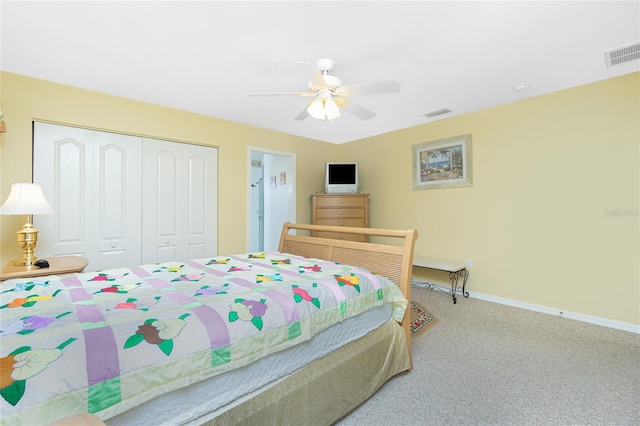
[[604, 322]]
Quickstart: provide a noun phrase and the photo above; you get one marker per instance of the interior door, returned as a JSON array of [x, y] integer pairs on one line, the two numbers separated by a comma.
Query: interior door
[[277, 203], [93, 180], [256, 204], [179, 201]]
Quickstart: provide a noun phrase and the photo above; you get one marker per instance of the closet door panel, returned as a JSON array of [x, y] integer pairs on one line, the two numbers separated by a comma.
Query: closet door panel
[[201, 216], [179, 201], [199, 187], [197, 199], [70, 194], [167, 198], [160, 201], [119, 199], [61, 155], [166, 253], [197, 230], [112, 193], [92, 179]]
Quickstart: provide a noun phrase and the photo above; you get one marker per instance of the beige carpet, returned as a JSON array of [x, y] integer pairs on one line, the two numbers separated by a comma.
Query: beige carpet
[[486, 364], [421, 319]]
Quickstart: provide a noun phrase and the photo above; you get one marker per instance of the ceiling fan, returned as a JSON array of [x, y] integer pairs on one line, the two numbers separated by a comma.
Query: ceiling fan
[[330, 97]]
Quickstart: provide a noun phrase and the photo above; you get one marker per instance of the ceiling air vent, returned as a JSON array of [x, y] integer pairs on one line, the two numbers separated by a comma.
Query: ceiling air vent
[[438, 112], [622, 54]]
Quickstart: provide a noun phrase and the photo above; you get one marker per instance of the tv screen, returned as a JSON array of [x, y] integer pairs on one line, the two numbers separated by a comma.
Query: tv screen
[[341, 177], [342, 173]]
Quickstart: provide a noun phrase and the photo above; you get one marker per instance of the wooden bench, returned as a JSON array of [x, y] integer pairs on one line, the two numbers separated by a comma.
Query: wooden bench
[[455, 270]]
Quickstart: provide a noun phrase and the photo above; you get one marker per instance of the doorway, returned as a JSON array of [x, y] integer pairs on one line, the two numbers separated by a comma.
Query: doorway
[[272, 196]]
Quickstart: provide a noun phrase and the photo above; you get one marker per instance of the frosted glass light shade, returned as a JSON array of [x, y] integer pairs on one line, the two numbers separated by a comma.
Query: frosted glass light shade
[[26, 198], [316, 109], [324, 108], [331, 109]]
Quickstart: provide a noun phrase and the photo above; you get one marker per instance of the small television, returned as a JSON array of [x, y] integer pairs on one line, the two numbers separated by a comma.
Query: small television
[[341, 178]]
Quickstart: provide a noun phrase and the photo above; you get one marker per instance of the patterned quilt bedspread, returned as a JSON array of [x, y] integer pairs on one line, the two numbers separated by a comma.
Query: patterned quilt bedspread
[[104, 342]]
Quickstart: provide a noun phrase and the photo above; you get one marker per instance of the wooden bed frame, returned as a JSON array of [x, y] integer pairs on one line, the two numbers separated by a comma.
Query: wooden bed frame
[[332, 386], [391, 261]]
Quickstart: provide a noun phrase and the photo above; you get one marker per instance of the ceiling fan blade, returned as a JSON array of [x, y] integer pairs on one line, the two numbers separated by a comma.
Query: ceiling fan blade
[[307, 63], [317, 82], [303, 114], [379, 88], [283, 94], [357, 110]]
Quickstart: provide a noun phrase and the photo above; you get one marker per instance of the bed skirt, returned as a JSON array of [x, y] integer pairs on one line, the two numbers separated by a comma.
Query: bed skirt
[[328, 388]]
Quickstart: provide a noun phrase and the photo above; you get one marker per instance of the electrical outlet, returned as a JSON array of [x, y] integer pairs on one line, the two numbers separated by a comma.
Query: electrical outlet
[[469, 263]]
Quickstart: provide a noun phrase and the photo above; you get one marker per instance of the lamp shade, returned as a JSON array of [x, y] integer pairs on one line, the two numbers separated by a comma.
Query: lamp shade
[[26, 198]]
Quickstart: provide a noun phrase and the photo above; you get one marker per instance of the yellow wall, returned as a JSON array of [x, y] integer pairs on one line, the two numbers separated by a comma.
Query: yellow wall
[[546, 172], [25, 99]]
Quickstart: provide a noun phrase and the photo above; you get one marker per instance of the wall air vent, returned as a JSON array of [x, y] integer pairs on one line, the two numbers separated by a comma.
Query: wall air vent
[[622, 54], [438, 112]]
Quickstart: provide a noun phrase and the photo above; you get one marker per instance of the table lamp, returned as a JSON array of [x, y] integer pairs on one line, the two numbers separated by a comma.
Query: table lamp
[[26, 198]]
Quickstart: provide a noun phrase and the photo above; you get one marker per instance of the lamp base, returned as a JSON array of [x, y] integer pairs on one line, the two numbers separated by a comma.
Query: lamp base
[[28, 240], [24, 261]]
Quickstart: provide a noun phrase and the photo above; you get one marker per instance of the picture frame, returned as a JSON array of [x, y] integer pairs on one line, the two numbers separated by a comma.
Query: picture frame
[[444, 163]]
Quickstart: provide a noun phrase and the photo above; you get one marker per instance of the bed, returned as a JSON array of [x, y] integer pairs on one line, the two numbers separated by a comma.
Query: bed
[[298, 336]]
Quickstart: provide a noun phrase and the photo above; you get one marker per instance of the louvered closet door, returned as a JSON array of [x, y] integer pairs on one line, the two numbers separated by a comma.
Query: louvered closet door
[[93, 180], [179, 201]]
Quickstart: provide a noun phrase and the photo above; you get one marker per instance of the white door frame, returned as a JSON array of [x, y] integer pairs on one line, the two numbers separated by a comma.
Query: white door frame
[[291, 181]]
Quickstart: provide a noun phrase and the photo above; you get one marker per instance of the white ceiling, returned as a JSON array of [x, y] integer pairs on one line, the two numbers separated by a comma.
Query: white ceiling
[[207, 56]]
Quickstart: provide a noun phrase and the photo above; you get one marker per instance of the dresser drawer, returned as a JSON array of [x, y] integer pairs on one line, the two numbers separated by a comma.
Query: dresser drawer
[[359, 223], [339, 236], [340, 201], [339, 213], [340, 210]]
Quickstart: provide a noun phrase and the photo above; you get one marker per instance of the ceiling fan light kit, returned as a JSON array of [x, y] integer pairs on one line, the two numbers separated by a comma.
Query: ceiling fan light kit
[[331, 97], [324, 108]]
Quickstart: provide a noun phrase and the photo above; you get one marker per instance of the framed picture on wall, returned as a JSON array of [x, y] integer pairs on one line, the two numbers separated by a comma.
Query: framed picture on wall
[[445, 163]]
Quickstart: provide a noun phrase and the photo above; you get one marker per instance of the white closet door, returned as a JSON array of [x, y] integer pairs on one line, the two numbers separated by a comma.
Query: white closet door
[[117, 211], [60, 158], [179, 201], [93, 180]]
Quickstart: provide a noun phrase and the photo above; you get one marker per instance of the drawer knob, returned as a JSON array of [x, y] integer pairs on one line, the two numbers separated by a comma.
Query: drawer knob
[[340, 223], [341, 213], [341, 237], [113, 246], [341, 201]]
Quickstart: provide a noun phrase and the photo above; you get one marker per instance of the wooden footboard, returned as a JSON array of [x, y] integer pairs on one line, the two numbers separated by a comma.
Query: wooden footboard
[[393, 260]]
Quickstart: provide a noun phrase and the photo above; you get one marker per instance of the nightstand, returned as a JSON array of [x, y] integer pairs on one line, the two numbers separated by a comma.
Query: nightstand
[[58, 265]]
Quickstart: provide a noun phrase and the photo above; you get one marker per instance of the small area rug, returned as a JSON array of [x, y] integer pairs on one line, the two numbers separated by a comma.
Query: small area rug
[[421, 319]]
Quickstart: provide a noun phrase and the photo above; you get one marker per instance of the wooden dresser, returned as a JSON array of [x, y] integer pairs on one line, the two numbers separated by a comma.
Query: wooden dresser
[[340, 210]]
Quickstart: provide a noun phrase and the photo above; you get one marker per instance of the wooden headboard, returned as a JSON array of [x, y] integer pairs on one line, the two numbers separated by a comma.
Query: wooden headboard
[[393, 261]]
